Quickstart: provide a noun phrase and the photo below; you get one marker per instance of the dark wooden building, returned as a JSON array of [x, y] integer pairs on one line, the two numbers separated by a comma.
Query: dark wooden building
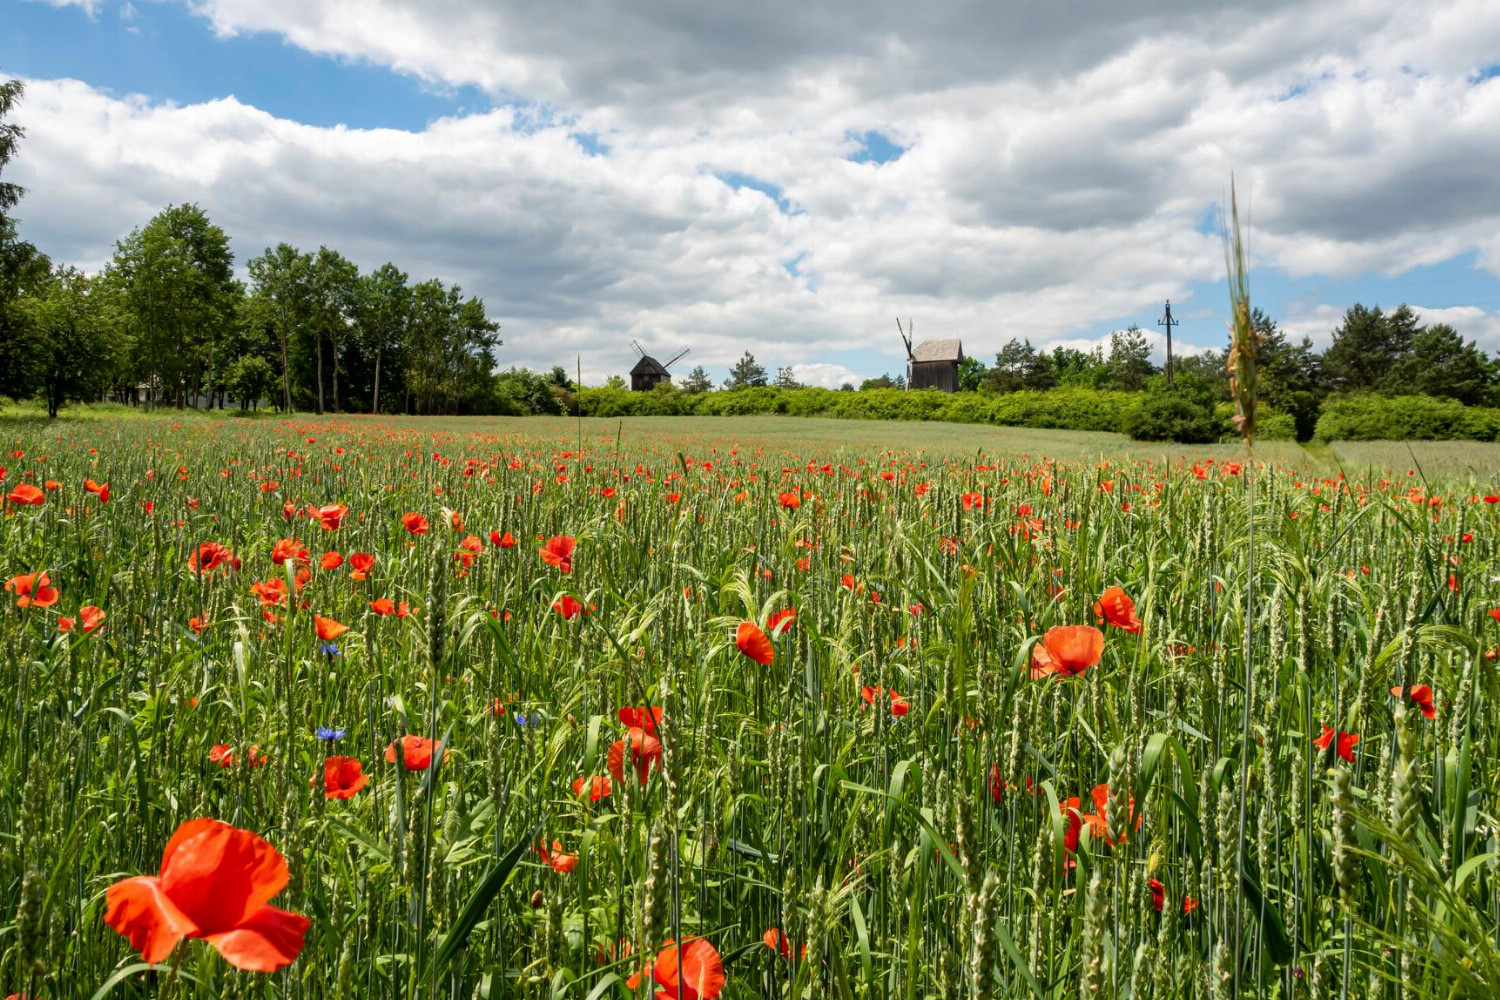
[[647, 373], [934, 365]]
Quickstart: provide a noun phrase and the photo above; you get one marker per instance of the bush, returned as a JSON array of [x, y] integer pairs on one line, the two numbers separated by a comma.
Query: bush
[[1364, 417], [1184, 412], [1172, 417]]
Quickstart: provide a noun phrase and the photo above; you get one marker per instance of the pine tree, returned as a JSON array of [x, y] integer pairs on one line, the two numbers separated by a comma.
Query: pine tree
[[697, 381], [746, 373]]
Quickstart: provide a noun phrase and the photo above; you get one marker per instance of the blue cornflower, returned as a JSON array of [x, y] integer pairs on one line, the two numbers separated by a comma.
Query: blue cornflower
[[330, 733], [330, 649]]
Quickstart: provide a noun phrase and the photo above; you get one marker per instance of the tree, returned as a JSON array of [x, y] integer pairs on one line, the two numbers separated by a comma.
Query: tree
[[615, 382], [1129, 363], [382, 312], [1071, 366], [879, 382], [1288, 374], [786, 378], [282, 281], [249, 379], [1018, 365], [333, 282], [176, 277], [746, 373], [1367, 345], [1440, 363], [971, 374], [23, 269], [697, 381], [559, 377], [74, 345]]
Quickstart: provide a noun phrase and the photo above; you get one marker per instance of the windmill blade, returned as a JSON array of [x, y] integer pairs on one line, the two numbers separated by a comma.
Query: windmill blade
[[676, 357], [904, 338], [638, 348]]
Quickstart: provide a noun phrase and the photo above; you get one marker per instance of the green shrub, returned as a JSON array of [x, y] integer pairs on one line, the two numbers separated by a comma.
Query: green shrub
[[1169, 416], [1366, 417], [1184, 412]]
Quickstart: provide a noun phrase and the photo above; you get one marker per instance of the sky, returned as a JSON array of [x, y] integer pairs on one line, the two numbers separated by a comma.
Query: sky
[[789, 176]]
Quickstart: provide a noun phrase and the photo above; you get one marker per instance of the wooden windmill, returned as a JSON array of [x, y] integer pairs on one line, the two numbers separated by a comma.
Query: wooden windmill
[[648, 371]]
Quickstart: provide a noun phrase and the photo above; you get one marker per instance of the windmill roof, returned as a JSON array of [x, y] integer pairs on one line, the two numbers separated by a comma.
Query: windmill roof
[[648, 366], [951, 349]]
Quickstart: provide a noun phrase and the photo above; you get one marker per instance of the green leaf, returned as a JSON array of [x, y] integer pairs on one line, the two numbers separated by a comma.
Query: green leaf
[[484, 894]]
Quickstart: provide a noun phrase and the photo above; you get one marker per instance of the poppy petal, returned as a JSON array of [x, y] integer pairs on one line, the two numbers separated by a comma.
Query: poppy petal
[[268, 940], [139, 909]]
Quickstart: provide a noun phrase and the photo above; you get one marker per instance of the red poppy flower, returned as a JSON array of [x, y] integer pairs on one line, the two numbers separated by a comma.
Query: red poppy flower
[[27, 495], [1419, 695], [691, 971], [455, 520], [640, 717], [1346, 743], [100, 490], [645, 752], [997, 784], [209, 556], [1116, 608], [383, 606], [32, 590], [1159, 898], [570, 607], [416, 524], [331, 560], [599, 787], [788, 615], [1073, 817], [561, 862], [332, 515], [361, 563], [1067, 651], [215, 883], [791, 500], [505, 541], [92, 617], [558, 552], [328, 629], [972, 500], [223, 755], [288, 548], [899, 706], [416, 752], [271, 592], [1098, 820], [343, 777], [754, 644], [64, 624], [777, 942], [198, 624]]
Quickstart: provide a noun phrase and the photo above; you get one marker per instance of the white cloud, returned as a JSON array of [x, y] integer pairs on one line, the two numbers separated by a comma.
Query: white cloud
[[828, 376], [1059, 161], [1471, 322]]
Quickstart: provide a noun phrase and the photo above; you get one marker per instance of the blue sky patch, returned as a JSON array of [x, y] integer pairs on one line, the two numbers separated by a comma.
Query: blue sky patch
[[167, 54], [875, 147]]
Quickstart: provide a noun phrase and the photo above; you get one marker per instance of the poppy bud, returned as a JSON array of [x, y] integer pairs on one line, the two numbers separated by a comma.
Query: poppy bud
[[537, 900]]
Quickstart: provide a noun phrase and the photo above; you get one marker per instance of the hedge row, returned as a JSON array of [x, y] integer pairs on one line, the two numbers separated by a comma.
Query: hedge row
[[1405, 418], [1062, 409]]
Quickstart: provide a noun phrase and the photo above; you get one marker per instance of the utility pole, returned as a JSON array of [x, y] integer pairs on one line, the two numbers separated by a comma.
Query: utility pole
[[1168, 322]]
